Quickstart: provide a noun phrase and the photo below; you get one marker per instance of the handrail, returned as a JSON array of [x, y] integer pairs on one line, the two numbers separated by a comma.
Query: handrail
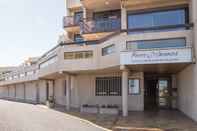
[[70, 21]]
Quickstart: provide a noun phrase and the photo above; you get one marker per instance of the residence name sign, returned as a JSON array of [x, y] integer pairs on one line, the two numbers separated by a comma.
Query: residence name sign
[[156, 56]]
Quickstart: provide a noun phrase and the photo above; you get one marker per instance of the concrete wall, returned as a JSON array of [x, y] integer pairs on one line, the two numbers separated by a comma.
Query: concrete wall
[[42, 92], [20, 92], [3, 92], [60, 97], [187, 79], [85, 92]]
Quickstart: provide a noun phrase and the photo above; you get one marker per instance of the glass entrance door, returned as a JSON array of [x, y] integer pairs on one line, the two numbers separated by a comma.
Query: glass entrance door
[[164, 93]]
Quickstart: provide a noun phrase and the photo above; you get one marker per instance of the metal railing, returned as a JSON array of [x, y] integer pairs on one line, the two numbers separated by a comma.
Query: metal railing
[[69, 21], [101, 25]]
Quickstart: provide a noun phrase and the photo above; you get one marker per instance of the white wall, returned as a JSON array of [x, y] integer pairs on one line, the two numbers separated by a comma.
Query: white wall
[[42, 92], [187, 79], [30, 92], [86, 93], [60, 97], [20, 94]]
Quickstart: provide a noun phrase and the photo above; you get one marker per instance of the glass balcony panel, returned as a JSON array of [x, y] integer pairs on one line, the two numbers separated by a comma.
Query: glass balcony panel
[[101, 25]]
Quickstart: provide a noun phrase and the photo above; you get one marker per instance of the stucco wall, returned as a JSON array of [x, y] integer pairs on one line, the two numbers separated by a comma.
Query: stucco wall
[[86, 93], [30, 91], [187, 79], [60, 97], [3, 92], [20, 92], [42, 92]]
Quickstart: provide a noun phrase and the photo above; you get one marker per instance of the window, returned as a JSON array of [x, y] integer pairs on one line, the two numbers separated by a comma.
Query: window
[[10, 78], [30, 73], [108, 86], [78, 55], [78, 17], [69, 55], [107, 14], [48, 62], [78, 38], [108, 50], [165, 43], [134, 86], [22, 75], [157, 18], [15, 76]]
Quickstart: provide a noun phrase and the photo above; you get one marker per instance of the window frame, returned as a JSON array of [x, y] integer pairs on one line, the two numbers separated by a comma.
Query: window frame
[[129, 42], [164, 9], [83, 54], [133, 94], [108, 47], [108, 91]]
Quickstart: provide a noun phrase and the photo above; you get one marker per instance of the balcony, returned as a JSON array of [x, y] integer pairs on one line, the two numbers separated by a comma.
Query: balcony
[[141, 4], [73, 4], [96, 29], [71, 24], [101, 5]]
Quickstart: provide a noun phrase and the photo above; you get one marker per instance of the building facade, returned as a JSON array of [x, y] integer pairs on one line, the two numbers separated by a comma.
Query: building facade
[[138, 55]]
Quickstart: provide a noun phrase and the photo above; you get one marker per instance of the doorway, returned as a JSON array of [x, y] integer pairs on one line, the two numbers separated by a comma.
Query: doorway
[[157, 92]]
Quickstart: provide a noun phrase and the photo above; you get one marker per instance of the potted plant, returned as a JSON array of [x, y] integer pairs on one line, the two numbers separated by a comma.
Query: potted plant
[[50, 102]]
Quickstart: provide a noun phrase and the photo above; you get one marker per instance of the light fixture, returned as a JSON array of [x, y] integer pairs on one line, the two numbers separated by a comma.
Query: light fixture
[[107, 2]]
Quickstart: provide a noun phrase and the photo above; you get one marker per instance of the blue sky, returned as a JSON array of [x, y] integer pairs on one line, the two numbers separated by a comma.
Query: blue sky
[[28, 28]]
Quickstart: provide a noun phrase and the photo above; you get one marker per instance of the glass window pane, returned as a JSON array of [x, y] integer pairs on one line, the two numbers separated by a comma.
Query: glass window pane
[[108, 50], [134, 86], [140, 21], [169, 18], [159, 18], [168, 43]]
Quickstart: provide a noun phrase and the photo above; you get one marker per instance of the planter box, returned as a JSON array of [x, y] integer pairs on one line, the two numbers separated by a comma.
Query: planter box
[[110, 111], [93, 110], [50, 104]]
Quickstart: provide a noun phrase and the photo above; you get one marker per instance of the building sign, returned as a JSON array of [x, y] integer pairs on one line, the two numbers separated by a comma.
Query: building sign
[[156, 56]]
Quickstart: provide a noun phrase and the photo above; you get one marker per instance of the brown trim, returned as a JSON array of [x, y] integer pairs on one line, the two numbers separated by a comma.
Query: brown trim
[[169, 8], [156, 9], [130, 42], [187, 26]]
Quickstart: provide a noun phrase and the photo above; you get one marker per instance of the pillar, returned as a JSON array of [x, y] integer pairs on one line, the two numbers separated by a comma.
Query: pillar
[[68, 90], [24, 91], [123, 19], [125, 74]]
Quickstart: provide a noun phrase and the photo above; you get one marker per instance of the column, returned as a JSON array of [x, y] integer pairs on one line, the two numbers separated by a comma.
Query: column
[[15, 91], [123, 19], [125, 74], [24, 92], [68, 89], [37, 93]]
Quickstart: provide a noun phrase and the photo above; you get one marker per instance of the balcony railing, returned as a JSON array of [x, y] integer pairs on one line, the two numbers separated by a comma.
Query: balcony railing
[[102, 25], [69, 21]]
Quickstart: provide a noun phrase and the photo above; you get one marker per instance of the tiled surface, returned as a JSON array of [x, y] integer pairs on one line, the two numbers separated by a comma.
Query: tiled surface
[[143, 121], [16, 116]]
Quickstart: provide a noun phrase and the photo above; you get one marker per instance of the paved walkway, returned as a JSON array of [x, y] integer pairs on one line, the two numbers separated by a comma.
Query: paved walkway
[[26, 117], [16, 116]]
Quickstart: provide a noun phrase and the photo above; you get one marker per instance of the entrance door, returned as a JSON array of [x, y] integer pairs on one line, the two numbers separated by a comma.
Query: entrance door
[[157, 92], [150, 94], [164, 93]]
